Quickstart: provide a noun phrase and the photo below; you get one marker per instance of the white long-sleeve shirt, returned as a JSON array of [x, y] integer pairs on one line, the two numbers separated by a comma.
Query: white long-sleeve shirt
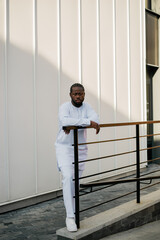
[[69, 115]]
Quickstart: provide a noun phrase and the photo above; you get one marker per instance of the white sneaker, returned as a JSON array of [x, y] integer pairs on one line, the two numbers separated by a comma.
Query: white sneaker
[[71, 225]]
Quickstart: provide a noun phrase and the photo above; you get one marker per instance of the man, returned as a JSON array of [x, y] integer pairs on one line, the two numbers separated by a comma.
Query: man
[[74, 113]]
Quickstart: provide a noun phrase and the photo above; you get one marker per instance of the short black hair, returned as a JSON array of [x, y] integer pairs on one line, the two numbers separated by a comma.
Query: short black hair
[[76, 85]]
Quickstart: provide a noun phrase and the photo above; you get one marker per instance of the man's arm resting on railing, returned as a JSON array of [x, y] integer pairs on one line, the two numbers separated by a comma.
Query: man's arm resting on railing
[[66, 120], [95, 126], [92, 124], [83, 122], [91, 119]]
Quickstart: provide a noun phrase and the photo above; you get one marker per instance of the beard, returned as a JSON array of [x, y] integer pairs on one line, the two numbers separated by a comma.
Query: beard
[[77, 104]]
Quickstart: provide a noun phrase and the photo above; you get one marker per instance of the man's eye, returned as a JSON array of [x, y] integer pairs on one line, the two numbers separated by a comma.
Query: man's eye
[[75, 94]]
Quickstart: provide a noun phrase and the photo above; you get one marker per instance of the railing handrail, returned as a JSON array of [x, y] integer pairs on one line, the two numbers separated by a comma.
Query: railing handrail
[[137, 151], [114, 124]]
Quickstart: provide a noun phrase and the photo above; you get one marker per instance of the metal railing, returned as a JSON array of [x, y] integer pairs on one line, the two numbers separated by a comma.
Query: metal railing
[[108, 183]]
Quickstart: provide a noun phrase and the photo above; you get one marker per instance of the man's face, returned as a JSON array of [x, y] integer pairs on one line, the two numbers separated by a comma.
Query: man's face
[[77, 96]]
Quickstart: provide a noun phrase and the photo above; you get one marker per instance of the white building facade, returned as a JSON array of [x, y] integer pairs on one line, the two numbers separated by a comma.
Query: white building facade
[[45, 47]]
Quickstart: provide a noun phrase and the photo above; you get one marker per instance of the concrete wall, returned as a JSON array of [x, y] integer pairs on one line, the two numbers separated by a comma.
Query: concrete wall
[[45, 46]]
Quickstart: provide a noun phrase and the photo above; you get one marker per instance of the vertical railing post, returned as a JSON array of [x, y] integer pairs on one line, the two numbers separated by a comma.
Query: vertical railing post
[[76, 172], [138, 163]]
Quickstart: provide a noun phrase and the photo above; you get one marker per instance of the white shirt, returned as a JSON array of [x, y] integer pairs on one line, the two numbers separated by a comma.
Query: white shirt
[[69, 115]]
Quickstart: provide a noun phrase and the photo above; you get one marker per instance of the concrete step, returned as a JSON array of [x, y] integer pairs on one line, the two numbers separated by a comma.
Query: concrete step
[[126, 216]]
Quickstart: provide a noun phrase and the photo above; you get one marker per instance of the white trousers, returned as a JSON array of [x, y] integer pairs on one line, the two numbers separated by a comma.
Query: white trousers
[[69, 190], [65, 159]]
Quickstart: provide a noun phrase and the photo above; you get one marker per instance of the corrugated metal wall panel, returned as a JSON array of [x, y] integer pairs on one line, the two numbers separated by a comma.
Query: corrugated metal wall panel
[[50, 45]]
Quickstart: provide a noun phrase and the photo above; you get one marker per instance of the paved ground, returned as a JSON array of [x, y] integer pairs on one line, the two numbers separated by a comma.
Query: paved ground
[[41, 221]]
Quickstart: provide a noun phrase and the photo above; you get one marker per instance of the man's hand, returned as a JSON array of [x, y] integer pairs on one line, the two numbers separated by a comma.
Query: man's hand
[[95, 126], [67, 131]]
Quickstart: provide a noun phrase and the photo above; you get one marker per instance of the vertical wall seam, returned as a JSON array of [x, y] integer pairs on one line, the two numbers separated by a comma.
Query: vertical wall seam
[[129, 62], [98, 69], [129, 73], [98, 55], [59, 56], [141, 76], [141, 65], [6, 131], [114, 74], [59, 46], [80, 39], [34, 90], [114, 59], [144, 58]]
